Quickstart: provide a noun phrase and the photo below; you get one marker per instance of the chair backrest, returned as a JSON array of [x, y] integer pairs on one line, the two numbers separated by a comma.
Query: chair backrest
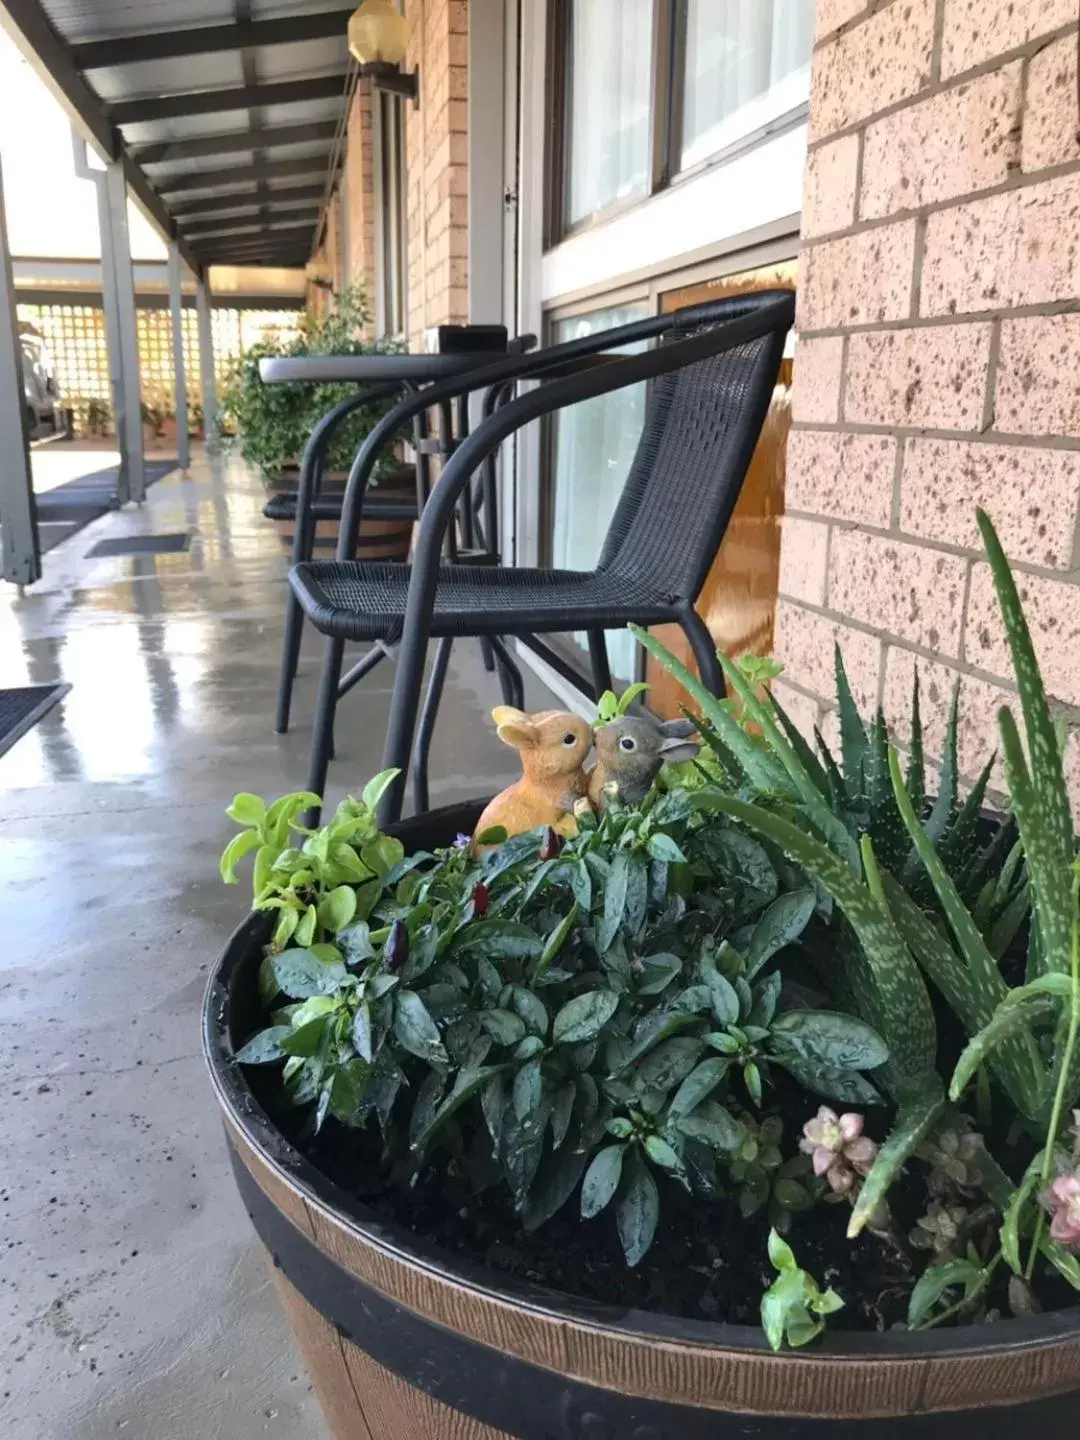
[[701, 425]]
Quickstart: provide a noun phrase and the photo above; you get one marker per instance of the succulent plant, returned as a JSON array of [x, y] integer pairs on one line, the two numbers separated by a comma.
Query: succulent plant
[[939, 1229], [838, 1149], [1062, 1201], [953, 1153], [762, 1178]]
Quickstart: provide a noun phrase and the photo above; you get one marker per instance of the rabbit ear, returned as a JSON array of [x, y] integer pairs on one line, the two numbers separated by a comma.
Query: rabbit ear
[[678, 729], [677, 749], [507, 715], [518, 736]]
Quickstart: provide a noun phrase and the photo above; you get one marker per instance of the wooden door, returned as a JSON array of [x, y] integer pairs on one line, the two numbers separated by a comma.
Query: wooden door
[[738, 602]]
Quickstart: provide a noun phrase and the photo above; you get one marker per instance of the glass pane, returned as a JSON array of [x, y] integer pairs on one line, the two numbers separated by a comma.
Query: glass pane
[[608, 126], [593, 447], [747, 61]]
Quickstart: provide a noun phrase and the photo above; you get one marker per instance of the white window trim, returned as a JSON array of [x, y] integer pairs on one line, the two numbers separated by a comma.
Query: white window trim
[[753, 189]]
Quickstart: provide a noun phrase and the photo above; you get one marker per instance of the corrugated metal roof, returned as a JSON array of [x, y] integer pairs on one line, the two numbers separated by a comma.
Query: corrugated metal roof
[[154, 70]]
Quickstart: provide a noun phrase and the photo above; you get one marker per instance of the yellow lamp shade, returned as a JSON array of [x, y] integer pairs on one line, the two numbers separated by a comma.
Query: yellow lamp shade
[[378, 32]]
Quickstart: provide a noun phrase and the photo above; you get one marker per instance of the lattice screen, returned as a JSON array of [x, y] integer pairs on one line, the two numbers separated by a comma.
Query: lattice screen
[[75, 334]]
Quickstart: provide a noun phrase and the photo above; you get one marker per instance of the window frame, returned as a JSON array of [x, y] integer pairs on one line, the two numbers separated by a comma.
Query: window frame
[[666, 111]]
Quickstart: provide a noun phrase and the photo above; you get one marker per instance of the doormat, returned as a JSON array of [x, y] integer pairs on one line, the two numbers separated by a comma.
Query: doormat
[[86, 498], [140, 545], [22, 708]]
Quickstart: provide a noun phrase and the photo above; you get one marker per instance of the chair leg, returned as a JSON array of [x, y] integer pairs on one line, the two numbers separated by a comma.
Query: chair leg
[[704, 648], [322, 734], [598, 658], [290, 657], [513, 686], [488, 654], [426, 728]]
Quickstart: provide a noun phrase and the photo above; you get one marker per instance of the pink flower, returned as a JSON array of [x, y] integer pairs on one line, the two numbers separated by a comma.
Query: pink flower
[[837, 1147], [1062, 1200]]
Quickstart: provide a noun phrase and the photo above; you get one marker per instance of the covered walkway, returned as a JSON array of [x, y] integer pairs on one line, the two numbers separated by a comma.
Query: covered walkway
[[134, 1301]]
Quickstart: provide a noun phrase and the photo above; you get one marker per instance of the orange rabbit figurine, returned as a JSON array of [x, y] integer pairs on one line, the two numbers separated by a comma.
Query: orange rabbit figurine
[[553, 745]]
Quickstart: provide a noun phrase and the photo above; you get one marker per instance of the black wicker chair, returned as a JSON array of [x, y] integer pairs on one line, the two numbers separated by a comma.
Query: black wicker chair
[[712, 380]]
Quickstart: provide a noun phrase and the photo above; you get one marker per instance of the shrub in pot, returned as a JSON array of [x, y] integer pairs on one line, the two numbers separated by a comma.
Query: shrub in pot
[[535, 1132], [272, 422]]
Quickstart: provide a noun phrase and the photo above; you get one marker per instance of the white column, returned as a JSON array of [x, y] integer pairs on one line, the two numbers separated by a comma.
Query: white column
[[176, 306], [208, 383], [20, 557], [118, 285]]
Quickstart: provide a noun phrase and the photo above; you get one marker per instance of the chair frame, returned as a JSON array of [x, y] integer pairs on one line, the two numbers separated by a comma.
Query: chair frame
[[573, 371]]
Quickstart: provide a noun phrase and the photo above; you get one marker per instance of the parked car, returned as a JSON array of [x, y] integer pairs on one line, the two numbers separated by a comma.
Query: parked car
[[40, 390]]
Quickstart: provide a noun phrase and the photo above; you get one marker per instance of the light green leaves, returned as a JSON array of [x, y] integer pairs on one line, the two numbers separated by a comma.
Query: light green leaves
[[239, 846], [794, 1307], [584, 1017], [337, 910]]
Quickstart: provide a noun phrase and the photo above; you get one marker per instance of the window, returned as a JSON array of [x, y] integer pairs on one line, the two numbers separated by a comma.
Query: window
[[746, 61], [593, 445], [642, 90], [608, 65]]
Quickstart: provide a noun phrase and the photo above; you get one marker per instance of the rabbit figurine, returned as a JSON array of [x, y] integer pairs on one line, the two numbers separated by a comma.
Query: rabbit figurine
[[553, 745], [630, 751]]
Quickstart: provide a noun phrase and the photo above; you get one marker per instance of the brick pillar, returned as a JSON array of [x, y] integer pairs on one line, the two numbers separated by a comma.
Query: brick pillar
[[938, 358], [359, 188], [436, 143]]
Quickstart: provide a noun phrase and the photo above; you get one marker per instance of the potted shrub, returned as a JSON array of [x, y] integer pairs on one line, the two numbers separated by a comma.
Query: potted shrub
[[744, 1111], [271, 423]]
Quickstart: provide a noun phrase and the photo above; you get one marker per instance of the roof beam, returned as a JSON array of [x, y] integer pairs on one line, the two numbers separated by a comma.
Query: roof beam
[[264, 223], [235, 176], [231, 250], [25, 21], [225, 205], [164, 152], [213, 102], [206, 39]]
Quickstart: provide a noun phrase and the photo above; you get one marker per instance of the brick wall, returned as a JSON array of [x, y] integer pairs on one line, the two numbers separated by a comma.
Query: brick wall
[[436, 144], [938, 359]]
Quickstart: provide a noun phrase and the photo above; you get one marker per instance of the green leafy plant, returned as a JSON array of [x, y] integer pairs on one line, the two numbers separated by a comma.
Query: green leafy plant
[[577, 1011], [610, 706], [273, 422], [794, 1307]]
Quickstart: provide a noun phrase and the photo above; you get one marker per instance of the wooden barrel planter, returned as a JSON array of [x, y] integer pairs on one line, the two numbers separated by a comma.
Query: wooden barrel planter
[[379, 539], [405, 1342]]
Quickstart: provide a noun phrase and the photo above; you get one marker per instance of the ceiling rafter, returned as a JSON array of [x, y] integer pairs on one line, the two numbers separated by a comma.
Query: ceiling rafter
[[214, 102], [165, 152], [208, 39]]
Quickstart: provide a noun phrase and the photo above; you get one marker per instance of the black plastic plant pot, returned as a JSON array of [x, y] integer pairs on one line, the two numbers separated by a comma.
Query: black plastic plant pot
[[405, 1342]]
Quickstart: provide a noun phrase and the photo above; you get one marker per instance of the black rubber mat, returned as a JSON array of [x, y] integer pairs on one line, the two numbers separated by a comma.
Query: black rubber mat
[[83, 499], [24, 707], [140, 545]]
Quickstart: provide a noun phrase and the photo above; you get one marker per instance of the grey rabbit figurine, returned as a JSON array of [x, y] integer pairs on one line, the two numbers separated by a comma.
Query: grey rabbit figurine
[[630, 751]]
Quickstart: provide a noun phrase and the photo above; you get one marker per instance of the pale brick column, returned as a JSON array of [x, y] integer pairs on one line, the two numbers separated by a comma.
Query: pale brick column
[[359, 262], [436, 143], [938, 365]]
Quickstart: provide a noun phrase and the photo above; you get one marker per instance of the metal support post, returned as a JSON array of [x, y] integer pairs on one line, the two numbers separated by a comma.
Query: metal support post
[[118, 277], [20, 555], [206, 359], [176, 306]]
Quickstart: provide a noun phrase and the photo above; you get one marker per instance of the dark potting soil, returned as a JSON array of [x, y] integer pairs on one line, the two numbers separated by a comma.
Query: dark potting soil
[[707, 1262]]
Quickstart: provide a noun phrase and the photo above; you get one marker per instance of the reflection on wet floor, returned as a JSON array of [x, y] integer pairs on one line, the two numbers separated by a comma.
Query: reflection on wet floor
[[132, 1296]]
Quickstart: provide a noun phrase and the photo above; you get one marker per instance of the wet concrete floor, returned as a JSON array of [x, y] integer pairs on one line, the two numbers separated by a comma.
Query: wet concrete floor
[[134, 1301]]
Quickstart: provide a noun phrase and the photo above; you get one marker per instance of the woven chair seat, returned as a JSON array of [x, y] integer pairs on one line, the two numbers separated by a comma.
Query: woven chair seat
[[356, 601]]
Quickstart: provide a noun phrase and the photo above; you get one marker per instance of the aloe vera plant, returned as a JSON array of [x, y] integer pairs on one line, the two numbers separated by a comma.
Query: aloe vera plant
[[910, 853]]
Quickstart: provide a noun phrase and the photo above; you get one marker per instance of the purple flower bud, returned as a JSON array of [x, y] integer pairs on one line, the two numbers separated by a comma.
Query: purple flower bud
[[480, 899], [462, 842], [396, 950], [551, 845]]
